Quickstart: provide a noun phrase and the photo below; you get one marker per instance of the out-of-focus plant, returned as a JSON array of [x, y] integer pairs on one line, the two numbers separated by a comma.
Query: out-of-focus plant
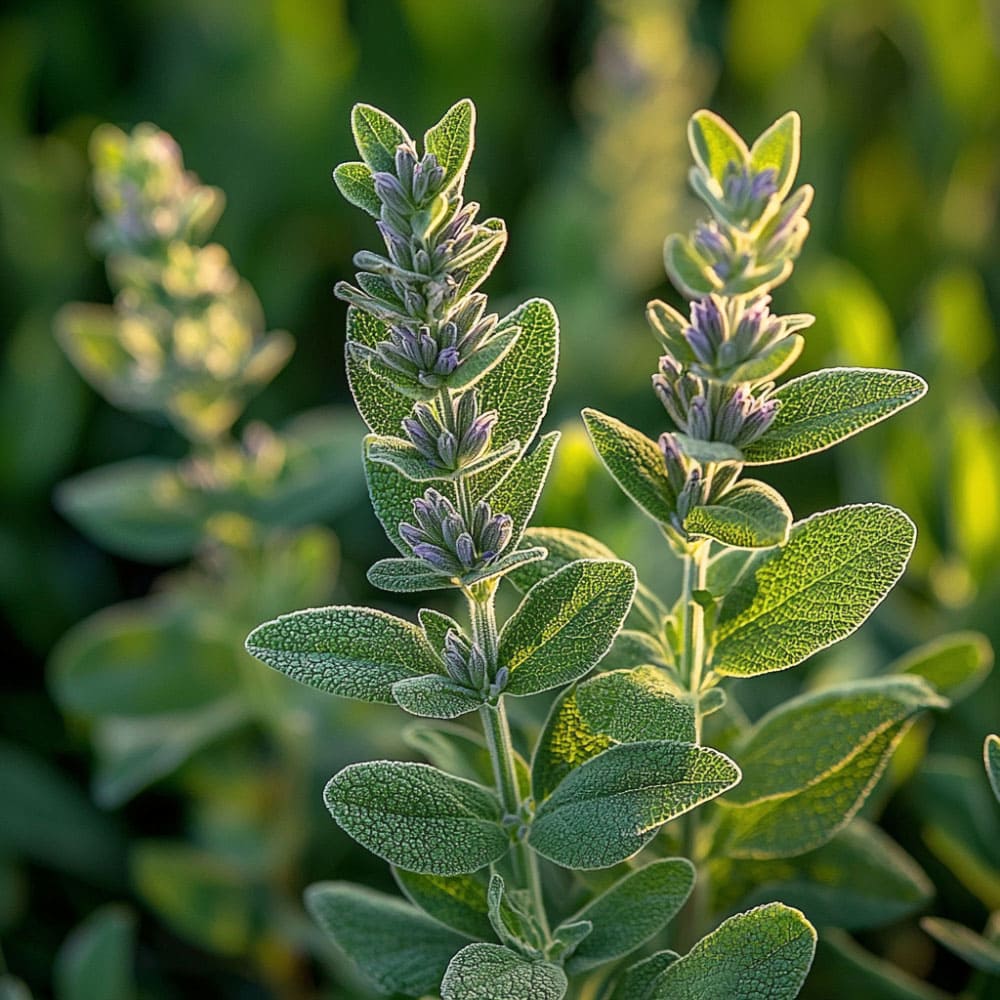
[[157, 681]]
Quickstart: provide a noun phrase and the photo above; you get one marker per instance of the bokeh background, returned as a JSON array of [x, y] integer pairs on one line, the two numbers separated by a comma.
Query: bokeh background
[[582, 107]]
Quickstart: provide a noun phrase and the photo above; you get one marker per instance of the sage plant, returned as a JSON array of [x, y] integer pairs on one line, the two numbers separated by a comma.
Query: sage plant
[[499, 850]]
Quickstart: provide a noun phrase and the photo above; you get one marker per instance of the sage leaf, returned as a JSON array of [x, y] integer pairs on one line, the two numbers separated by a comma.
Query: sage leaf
[[517, 494], [381, 406], [631, 911], [485, 359], [611, 806], [991, 757], [715, 144], [417, 817], [394, 945], [354, 182], [405, 459], [690, 276], [632, 649], [376, 135], [707, 451], [565, 624], [967, 944], [765, 952], [820, 409], [487, 250], [635, 705], [452, 140], [457, 901], [436, 625], [751, 515], [493, 972], [435, 697], [96, 961], [777, 149], [513, 925], [799, 598], [566, 939], [954, 665], [352, 652], [407, 576], [637, 979]]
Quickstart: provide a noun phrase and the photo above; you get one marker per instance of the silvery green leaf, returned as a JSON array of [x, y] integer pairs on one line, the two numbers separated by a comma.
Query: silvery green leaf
[[777, 149], [708, 451], [967, 944], [513, 926], [377, 135], [860, 879], [637, 979], [688, 273], [504, 565], [631, 911], [436, 626], [380, 404], [352, 652], [484, 360], [518, 492], [354, 182], [435, 697], [954, 665], [712, 700], [635, 705], [494, 242], [822, 408], [765, 952], [96, 961], [565, 624], [405, 459], [457, 901], [809, 764], [394, 945], [632, 648], [796, 599], [611, 806], [635, 463], [452, 140], [565, 743], [407, 576], [492, 972], [991, 758], [417, 817], [770, 363], [751, 515], [715, 144], [566, 939]]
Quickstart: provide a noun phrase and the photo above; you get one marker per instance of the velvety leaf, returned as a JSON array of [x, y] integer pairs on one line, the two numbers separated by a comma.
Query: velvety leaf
[[484, 360], [354, 182], [991, 757], [765, 952], [96, 961], [967, 944], [436, 626], [611, 806], [707, 451], [715, 144], [352, 652], [377, 136], [635, 705], [565, 624], [954, 665], [417, 817], [404, 458], [777, 149], [491, 244], [771, 362], [381, 406], [797, 599], [632, 649], [393, 944], [492, 972], [631, 911], [515, 928], [457, 901], [434, 697], [689, 275], [822, 408], [518, 492], [452, 140], [566, 939], [407, 576], [637, 979], [751, 515]]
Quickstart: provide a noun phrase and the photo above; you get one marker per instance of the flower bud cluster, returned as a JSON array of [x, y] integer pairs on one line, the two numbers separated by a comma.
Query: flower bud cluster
[[692, 484], [451, 432]]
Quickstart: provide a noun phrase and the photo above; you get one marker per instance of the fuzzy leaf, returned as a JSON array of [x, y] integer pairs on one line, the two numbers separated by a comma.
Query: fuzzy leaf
[[954, 665], [417, 817], [377, 136], [612, 805], [381, 406], [352, 652], [565, 624], [714, 144], [484, 360], [513, 926], [635, 705], [457, 901], [436, 626], [778, 149], [633, 648], [765, 952], [407, 576], [404, 458], [354, 182], [822, 408], [518, 492], [771, 362], [637, 979], [631, 911], [707, 451], [96, 960], [689, 275], [494, 237], [452, 140], [797, 599], [751, 515], [396, 947], [967, 944], [435, 697], [635, 463], [492, 972], [991, 758]]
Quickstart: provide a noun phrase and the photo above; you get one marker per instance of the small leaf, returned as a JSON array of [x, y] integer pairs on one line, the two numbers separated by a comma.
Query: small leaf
[[967, 944], [822, 408], [637, 979], [392, 496], [518, 492], [352, 652], [612, 805], [954, 665], [381, 406], [485, 359], [714, 144], [490, 243], [417, 817], [797, 599], [377, 136], [778, 149], [751, 515], [452, 140], [707, 451], [96, 960], [770, 363], [631, 911], [407, 576], [492, 972], [765, 952], [565, 624], [436, 626], [435, 697], [404, 458], [394, 945], [514, 927], [354, 182], [632, 649], [991, 757], [457, 901], [635, 705]]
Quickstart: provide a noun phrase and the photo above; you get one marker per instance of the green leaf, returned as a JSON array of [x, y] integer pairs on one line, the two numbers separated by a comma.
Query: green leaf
[[967, 944], [637, 979], [631, 911], [809, 764], [688, 273], [765, 952], [492, 972], [820, 409], [565, 624], [96, 961], [354, 182], [797, 599], [407, 576], [435, 697], [452, 140], [393, 944], [377, 136], [777, 148], [381, 406], [707, 451], [635, 705], [436, 626], [417, 817], [513, 925], [612, 805], [770, 363], [714, 144], [991, 758], [457, 901], [485, 359], [635, 463], [404, 458], [632, 649], [954, 665], [518, 492], [751, 515], [493, 236], [352, 652], [860, 879]]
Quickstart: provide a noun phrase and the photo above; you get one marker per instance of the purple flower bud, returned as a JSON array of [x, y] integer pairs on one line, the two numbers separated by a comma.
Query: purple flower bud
[[447, 361], [436, 556], [465, 549], [447, 449], [699, 419]]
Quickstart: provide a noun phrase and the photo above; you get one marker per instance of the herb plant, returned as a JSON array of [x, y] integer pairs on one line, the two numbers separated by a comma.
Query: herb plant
[[519, 871]]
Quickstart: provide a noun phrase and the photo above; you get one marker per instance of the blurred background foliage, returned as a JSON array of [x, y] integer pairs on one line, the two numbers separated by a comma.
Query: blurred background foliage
[[191, 886]]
